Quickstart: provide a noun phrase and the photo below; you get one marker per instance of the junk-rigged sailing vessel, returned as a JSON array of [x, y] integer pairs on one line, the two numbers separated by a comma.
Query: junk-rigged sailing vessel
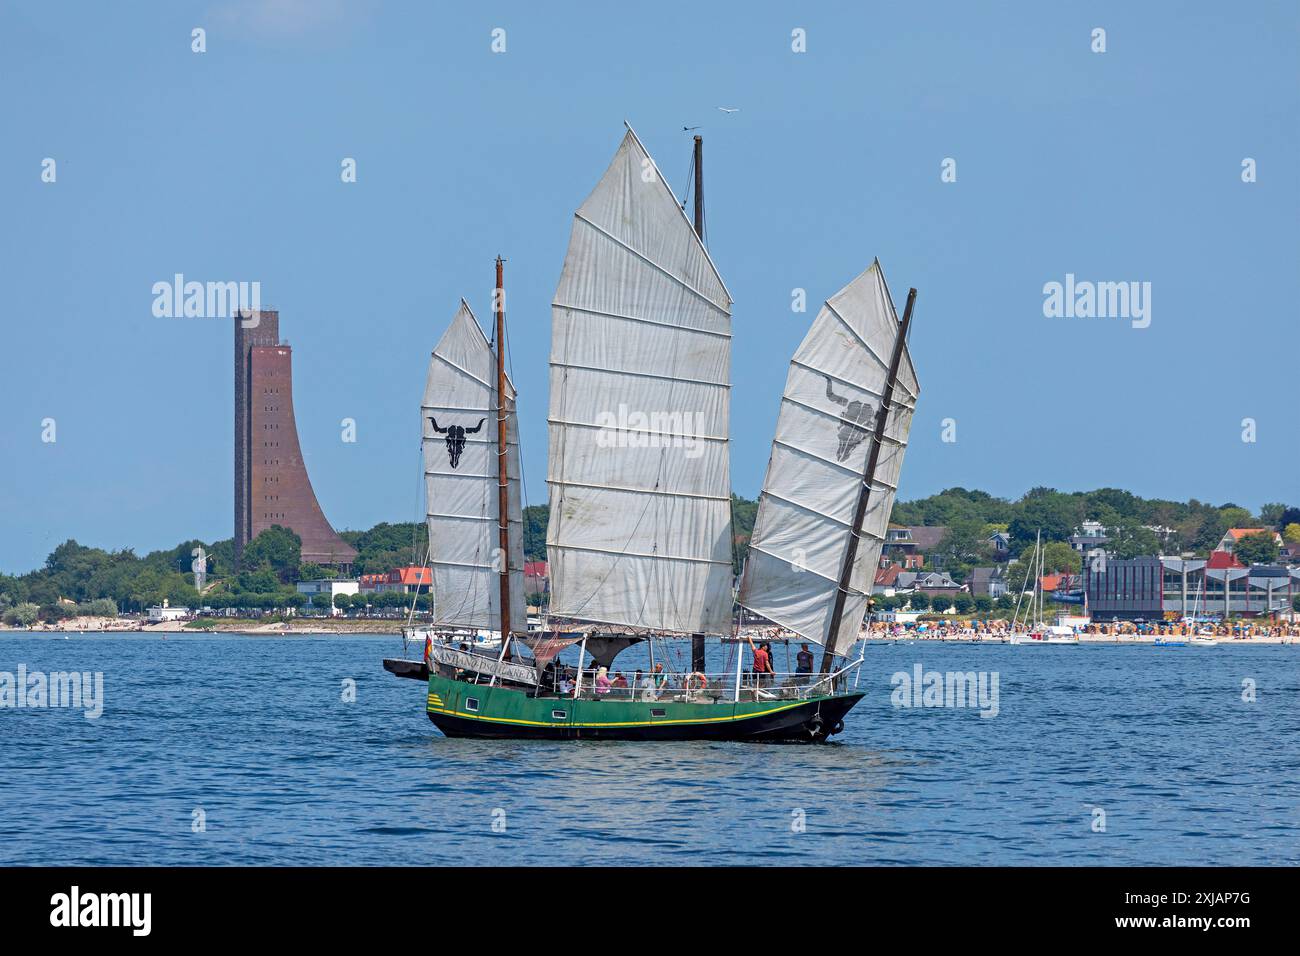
[[640, 533]]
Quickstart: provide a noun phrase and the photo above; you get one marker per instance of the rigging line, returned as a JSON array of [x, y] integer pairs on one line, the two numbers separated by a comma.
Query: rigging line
[[519, 446], [415, 556]]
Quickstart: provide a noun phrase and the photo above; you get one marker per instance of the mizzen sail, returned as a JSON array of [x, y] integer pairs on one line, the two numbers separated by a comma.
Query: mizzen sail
[[458, 417], [638, 467], [824, 433]]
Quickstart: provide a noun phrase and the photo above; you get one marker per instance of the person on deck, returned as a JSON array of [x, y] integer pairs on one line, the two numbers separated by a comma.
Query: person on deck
[[603, 683], [645, 686], [803, 661], [660, 678], [619, 684], [762, 661]]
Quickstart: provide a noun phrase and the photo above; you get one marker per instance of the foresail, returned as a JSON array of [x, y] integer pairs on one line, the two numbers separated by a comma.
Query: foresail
[[823, 439], [459, 422], [638, 468]]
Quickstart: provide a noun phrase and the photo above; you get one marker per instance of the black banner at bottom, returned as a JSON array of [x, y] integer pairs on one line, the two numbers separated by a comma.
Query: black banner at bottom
[[335, 904]]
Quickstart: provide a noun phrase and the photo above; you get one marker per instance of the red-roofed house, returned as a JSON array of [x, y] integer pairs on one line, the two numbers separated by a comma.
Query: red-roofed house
[[408, 580], [1234, 535], [536, 578], [1223, 559], [886, 579]]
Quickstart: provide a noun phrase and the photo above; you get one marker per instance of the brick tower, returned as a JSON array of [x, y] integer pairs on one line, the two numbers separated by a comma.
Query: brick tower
[[271, 483]]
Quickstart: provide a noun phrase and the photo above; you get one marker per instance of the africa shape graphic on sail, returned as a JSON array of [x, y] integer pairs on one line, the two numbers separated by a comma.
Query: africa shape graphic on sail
[[853, 421], [456, 438]]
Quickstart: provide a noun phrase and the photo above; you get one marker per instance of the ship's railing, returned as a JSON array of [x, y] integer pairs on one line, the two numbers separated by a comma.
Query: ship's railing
[[701, 688]]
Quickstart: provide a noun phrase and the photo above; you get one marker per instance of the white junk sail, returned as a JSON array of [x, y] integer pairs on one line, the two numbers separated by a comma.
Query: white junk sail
[[459, 420], [823, 438], [638, 470]]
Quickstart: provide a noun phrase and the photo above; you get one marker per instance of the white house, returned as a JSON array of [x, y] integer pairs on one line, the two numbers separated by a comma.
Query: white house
[[167, 613], [328, 586]]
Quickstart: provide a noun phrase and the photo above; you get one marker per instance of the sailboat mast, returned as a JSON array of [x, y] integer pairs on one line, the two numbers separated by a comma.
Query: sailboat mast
[[503, 477], [869, 475], [699, 187], [698, 651]]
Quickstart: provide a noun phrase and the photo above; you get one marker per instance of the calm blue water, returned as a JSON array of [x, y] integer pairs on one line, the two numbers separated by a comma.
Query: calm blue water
[[254, 732]]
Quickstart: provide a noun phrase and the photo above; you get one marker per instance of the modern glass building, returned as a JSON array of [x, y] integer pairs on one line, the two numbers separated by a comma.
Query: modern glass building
[[1172, 588]]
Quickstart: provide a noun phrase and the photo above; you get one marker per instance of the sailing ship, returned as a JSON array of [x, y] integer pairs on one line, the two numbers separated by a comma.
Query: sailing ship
[[640, 539]]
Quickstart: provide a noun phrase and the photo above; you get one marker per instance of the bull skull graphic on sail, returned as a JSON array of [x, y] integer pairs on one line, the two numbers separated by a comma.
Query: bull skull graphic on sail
[[456, 438], [853, 421]]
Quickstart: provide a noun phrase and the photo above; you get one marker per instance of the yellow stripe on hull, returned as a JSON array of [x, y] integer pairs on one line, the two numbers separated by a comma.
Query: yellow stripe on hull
[[623, 723]]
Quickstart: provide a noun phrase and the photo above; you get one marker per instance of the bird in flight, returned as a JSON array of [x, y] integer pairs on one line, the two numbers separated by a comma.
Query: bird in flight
[[733, 109]]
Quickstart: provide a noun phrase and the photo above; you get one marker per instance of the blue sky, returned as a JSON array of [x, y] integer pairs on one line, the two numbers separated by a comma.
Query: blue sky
[[1119, 166]]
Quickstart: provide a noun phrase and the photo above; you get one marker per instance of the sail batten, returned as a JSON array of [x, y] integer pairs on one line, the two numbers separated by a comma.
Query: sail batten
[[458, 417], [638, 468], [816, 473]]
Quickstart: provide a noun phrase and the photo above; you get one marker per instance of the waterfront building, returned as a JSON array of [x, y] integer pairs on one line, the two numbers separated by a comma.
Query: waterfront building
[[271, 483], [933, 583], [911, 546], [406, 580], [1154, 588], [329, 587], [164, 612], [989, 582]]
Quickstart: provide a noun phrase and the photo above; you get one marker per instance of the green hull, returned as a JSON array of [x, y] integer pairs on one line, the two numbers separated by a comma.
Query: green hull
[[461, 709]]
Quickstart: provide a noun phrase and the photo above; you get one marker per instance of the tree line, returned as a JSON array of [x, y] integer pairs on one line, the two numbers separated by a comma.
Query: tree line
[[75, 576]]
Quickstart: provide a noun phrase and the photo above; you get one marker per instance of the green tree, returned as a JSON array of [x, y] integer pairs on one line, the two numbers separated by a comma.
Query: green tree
[[966, 540], [983, 603], [743, 514], [918, 601], [22, 615], [963, 603], [1258, 548], [1270, 515], [1046, 510], [1133, 541], [1291, 533], [278, 549], [535, 518]]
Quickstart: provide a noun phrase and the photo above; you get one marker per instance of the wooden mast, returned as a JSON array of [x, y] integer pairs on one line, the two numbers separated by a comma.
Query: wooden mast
[[503, 476], [698, 652], [699, 187], [869, 475]]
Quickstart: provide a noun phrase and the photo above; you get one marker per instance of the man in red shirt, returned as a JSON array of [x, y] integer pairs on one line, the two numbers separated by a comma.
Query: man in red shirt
[[762, 661]]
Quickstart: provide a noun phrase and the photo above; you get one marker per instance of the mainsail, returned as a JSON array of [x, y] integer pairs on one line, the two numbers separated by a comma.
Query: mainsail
[[638, 467], [824, 434], [458, 416]]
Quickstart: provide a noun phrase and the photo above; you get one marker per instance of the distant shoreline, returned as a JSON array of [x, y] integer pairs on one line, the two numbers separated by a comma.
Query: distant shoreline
[[92, 626], [309, 626]]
